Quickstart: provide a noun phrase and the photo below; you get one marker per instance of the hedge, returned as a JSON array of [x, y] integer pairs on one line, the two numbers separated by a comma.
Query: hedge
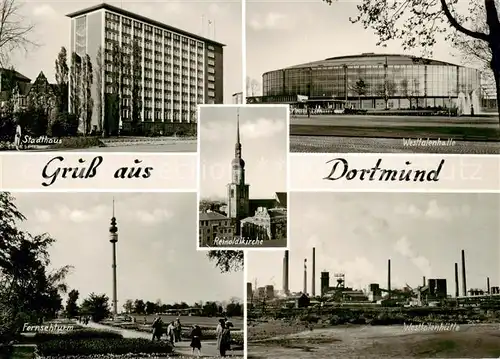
[[72, 335], [64, 347]]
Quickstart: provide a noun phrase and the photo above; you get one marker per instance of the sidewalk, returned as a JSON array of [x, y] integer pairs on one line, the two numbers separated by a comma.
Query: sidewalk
[[208, 348]]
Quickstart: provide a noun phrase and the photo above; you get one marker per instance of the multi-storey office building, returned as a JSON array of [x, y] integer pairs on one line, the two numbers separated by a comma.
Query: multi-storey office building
[[176, 71]]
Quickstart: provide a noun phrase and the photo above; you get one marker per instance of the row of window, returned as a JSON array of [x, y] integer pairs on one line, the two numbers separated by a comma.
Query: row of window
[[113, 22]]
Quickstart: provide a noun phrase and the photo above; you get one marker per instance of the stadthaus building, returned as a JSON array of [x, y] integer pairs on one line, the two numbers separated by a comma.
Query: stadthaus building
[[375, 81], [178, 69]]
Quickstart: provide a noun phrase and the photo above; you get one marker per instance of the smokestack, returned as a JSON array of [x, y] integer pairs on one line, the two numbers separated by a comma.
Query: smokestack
[[285, 274], [464, 275], [389, 277], [313, 283], [457, 291], [423, 281], [488, 284], [305, 276]]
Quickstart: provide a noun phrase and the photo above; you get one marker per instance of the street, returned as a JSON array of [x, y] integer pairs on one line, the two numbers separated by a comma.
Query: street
[[334, 144], [154, 148]]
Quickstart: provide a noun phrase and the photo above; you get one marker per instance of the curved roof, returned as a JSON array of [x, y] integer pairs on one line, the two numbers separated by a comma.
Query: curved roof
[[369, 59]]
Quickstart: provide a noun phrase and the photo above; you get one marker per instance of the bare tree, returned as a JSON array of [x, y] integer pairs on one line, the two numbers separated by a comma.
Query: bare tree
[[14, 30], [87, 81], [76, 84], [417, 22], [62, 74], [359, 89], [136, 99], [99, 70], [253, 87]]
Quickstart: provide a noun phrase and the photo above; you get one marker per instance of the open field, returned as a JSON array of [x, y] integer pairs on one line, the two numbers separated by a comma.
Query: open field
[[280, 340], [340, 144], [395, 121]]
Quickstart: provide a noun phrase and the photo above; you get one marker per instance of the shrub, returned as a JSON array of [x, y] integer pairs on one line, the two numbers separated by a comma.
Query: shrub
[[72, 335], [62, 347], [310, 318], [78, 142], [66, 124]]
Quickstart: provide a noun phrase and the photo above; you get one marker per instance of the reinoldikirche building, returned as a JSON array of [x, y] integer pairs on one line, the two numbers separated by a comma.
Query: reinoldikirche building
[[370, 80], [177, 70]]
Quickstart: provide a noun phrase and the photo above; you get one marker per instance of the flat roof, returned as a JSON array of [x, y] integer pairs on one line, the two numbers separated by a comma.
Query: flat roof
[[138, 17], [369, 58]]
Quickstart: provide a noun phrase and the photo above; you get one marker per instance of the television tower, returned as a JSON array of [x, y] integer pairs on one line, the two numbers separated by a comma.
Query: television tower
[[113, 238]]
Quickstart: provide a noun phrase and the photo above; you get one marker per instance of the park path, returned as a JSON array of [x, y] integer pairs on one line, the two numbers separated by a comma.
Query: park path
[[209, 348]]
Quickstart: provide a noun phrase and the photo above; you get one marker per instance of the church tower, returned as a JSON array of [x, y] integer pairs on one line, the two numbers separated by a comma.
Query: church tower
[[237, 191]]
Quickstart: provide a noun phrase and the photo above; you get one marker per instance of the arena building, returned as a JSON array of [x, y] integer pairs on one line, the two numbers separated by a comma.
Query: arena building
[[375, 81]]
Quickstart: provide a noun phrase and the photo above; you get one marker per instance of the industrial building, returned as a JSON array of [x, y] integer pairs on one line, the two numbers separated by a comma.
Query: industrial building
[[431, 292], [176, 70], [374, 81]]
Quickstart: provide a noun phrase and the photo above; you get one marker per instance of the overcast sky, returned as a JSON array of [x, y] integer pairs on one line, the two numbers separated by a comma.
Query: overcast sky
[[156, 249], [356, 233], [263, 136], [295, 32], [52, 30]]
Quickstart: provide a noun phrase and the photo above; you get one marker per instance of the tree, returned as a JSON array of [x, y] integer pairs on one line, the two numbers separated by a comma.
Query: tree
[[129, 306], [28, 291], [97, 306], [87, 101], [71, 306], [253, 87], [62, 77], [210, 309], [14, 30], [359, 89], [139, 306], [99, 73], [76, 85], [150, 308], [136, 97], [227, 261], [417, 22]]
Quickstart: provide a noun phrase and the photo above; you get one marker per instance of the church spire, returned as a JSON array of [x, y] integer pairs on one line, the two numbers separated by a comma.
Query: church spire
[[237, 147]]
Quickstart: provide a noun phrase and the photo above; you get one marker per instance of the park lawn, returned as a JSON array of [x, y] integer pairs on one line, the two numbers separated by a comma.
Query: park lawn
[[443, 133], [27, 352]]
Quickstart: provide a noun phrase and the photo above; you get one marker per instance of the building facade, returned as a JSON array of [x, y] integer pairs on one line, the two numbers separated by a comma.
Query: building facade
[[238, 98], [175, 71], [214, 225], [265, 224], [376, 81]]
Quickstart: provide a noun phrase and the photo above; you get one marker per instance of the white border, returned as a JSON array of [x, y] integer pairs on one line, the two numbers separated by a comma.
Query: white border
[[287, 162], [245, 305], [243, 52]]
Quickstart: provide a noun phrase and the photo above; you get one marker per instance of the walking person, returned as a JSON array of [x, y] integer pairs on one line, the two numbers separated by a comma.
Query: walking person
[[178, 330], [196, 339], [157, 328], [218, 333], [17, 137], [171, 333], [225, 341]]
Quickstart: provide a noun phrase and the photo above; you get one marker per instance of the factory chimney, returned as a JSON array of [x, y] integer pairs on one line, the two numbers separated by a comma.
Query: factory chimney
[[389, 277], [488, 284], [305, 276], [286, 290], [457, 291], [313, 283], [464, 275], [423, 281]]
